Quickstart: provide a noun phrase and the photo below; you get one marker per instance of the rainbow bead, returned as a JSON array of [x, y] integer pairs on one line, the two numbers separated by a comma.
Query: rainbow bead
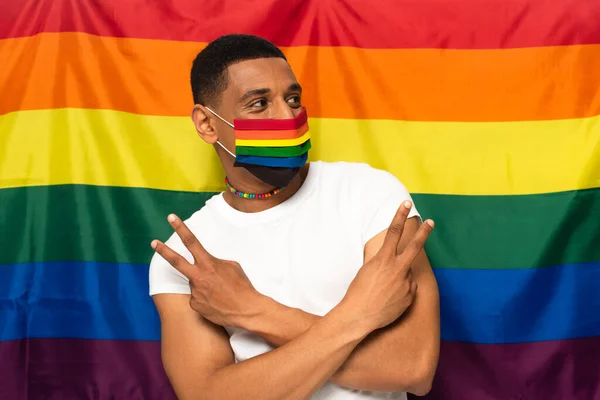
[[252, 195]]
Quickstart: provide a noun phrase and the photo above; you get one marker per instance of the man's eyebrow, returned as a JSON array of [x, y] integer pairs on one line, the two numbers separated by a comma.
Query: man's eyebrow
[[295, 87], [254, 92]]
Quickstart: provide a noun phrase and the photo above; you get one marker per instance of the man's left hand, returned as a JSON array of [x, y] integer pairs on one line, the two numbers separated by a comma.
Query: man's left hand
[[220, 290]]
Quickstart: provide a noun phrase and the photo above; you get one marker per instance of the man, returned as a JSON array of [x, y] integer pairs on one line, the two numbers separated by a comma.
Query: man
[[289, 285]]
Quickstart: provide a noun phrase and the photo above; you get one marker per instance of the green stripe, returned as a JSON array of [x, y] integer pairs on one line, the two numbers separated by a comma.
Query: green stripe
[[114, 224], [291, 151], [88, 223], [527, 231]]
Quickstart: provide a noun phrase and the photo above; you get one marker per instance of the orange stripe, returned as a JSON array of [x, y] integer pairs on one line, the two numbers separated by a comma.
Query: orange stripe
[[152, 77]]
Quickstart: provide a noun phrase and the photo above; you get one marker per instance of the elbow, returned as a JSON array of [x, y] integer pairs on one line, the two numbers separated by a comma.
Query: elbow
[[424, 371], [421, 388], [421, 382]]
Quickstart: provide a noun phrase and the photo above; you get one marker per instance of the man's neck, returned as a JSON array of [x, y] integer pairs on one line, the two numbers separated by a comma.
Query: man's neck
[[258, 205]]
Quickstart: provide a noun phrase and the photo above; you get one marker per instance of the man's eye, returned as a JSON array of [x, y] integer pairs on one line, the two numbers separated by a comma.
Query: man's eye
[[294, 100], [259, 103]]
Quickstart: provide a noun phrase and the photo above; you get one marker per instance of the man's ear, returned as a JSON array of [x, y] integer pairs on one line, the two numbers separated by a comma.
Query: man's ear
[[205, 124]]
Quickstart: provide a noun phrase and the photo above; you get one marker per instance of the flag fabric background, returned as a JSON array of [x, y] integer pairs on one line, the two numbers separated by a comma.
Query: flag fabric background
[[488, 111]]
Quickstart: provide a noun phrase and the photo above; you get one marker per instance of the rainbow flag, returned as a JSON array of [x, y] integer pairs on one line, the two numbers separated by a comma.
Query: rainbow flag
[[488, 111]]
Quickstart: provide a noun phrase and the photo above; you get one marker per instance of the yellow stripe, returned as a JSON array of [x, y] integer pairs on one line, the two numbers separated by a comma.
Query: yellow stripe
[[273, 142], [102, 147]]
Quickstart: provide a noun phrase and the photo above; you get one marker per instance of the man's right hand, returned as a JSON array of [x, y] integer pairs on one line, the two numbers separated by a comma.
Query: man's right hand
[[384, 288]]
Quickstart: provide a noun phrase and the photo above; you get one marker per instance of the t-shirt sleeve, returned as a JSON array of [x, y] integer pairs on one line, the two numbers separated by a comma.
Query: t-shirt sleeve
[[382, 201], [163, 277]]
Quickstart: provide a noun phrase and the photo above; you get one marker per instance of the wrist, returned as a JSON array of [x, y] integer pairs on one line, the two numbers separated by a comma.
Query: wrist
[[278, 324], [346, 317], [262, 307]]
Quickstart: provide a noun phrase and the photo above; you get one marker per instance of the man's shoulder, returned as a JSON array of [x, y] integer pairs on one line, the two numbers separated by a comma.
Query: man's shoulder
[[361, 176], [197, 222], [164, 278], [371, 196]]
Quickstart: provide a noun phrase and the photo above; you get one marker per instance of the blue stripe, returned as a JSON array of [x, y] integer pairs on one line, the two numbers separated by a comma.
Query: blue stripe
[[286, 162], [522, 305], [77, 300], [111, 301]]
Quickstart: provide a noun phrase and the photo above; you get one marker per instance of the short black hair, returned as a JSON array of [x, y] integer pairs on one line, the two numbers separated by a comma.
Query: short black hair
[[208, 76]]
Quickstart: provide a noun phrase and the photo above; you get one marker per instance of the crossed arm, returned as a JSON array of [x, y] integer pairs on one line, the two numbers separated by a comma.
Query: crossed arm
[[400, 357]]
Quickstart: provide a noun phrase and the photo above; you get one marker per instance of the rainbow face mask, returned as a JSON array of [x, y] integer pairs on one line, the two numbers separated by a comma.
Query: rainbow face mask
[[273, 150]]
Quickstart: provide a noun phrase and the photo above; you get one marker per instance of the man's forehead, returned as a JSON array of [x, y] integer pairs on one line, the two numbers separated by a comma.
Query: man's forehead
[[271, 73]]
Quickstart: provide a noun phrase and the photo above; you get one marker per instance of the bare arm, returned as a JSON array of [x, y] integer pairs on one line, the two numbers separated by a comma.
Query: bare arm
[[400, 357], [199, 361]]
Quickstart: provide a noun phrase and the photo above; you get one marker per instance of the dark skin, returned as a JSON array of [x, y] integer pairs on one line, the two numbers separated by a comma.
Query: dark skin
[[382, 336], [263, 88]]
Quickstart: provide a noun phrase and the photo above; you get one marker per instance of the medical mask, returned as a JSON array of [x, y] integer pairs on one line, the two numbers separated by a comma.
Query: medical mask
[[273, 150]]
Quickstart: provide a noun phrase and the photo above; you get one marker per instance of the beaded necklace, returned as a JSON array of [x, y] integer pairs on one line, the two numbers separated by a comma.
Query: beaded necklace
[[251, 195]]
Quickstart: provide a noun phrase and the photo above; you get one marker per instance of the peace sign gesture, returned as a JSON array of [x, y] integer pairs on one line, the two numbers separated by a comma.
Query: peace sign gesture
[[384, 288], [220, 290]]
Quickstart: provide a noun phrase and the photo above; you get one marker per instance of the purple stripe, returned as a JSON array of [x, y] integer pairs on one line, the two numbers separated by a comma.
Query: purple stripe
[[87, 369], [562, 369], [82, 369]]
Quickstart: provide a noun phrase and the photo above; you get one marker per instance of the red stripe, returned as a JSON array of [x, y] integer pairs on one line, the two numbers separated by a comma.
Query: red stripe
[[82, 369], [271, 134], [272, 124], [562, 369], [461, 24]]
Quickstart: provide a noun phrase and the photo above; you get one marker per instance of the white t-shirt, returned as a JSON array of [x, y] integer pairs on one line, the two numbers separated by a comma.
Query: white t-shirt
[[303, 253]]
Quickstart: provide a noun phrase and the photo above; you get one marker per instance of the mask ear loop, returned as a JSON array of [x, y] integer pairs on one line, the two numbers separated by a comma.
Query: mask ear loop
[[228, 123]]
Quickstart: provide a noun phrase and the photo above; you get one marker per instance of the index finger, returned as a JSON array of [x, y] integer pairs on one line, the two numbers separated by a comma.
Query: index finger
[[414, 247], [394, 232], [175, 259], [189, 240]]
